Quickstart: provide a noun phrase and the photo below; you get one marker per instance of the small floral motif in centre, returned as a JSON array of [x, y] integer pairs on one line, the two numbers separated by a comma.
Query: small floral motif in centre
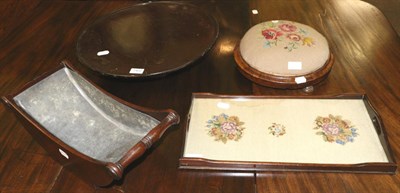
[[224, 127], [277, 129]]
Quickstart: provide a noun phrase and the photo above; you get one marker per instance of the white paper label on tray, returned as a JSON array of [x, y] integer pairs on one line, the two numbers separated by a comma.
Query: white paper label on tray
[[103, 53], [300, 80], [294, 65], [136, 71], [63, 153]]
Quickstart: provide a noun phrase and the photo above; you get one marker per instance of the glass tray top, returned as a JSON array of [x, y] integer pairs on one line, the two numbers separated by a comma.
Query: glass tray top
[[147, 39], [338, 133]]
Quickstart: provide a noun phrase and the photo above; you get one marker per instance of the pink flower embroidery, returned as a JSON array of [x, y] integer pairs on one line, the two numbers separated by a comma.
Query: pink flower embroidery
[[288, 35], [224, 127], [331, 129], [271, 34], [294, 37], [229, 127], [287, 27]]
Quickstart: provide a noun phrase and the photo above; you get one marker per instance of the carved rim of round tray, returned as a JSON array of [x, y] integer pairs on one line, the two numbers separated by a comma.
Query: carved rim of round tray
[[282, 82]]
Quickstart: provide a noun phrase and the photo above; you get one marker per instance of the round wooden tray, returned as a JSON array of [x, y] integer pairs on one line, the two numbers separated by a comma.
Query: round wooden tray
[[282, 82], [147, 39]]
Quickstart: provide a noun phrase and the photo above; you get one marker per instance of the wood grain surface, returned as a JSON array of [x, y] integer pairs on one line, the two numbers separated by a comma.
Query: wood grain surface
[[36, 35]]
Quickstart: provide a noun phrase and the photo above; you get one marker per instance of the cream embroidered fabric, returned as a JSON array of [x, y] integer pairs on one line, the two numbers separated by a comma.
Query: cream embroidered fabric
[[299, 143], [284, 48]]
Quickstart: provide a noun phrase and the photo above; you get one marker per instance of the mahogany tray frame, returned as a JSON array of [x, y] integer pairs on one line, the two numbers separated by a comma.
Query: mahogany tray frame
[[281, 82], [248, 166], [94, 171]]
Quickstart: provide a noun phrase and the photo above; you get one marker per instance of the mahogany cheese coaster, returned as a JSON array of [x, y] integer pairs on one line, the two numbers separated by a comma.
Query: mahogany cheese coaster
[[89, 131], [283, 54]]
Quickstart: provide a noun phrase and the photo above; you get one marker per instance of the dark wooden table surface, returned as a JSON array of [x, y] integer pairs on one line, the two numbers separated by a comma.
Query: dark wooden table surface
[[36, 35]]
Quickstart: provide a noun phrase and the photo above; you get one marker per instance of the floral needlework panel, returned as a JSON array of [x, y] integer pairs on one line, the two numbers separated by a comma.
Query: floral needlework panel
[[287, 33], [224, 127], [335, 129], [277, 129]]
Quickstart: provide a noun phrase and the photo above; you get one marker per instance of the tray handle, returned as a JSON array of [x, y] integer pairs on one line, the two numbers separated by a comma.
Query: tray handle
[[116, 169], [377, 125]]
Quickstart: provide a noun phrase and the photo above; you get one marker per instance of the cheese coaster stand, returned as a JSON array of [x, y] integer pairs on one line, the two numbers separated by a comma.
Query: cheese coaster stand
[[284, 54], [90, 132]]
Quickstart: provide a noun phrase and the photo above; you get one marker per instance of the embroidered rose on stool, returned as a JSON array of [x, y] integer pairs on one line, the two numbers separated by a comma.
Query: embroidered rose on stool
[[286, 27], [286, 33], [294, 37], [271, 34]]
